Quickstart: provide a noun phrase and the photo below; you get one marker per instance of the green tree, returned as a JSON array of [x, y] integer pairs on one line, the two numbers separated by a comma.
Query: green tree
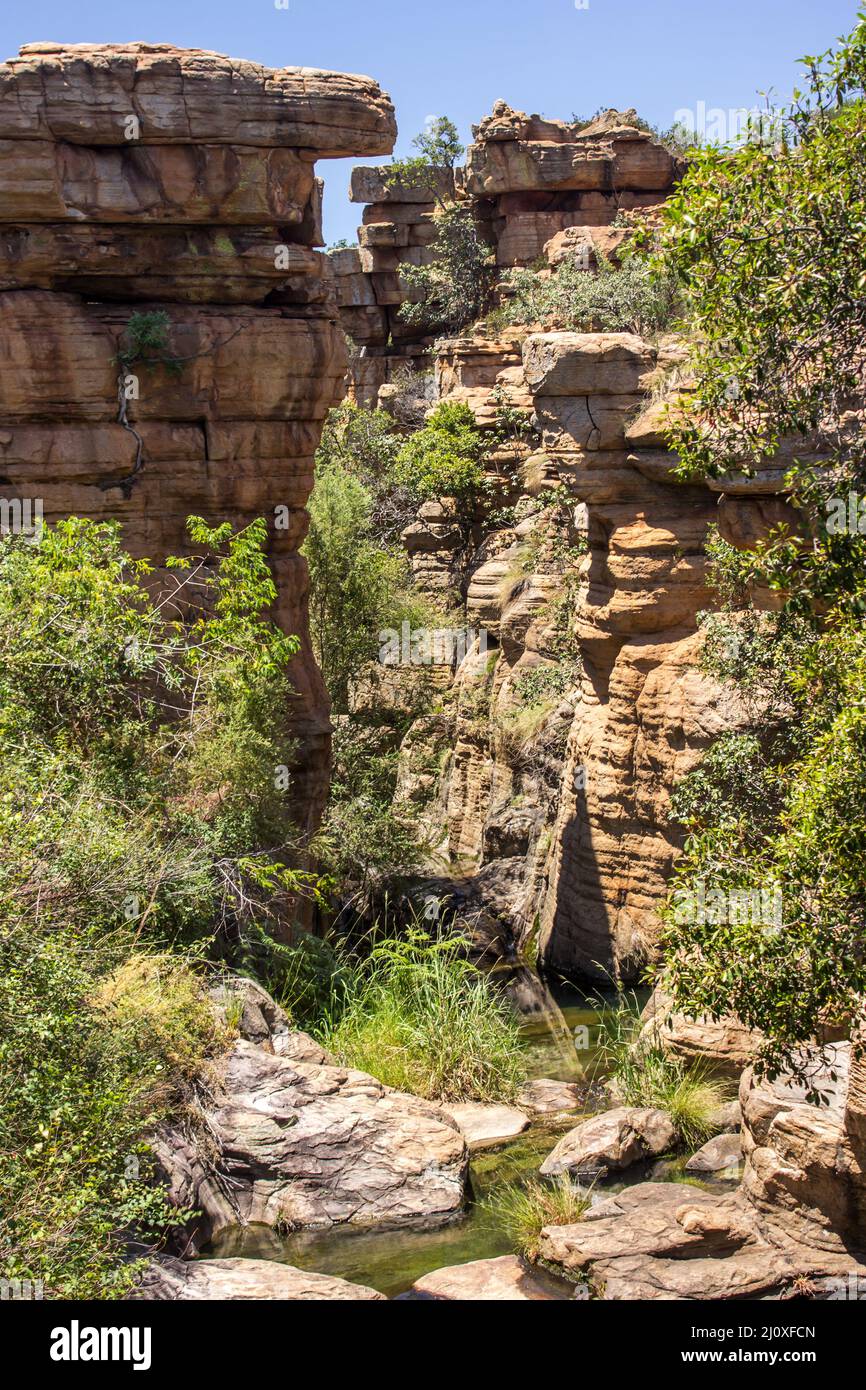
[[768, 242], [144, 833], [445, 458], [440, 150]]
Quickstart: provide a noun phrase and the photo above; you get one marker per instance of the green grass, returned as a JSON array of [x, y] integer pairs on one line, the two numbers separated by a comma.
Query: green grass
[[524, 1209], [641, 1072], [418, 1016]]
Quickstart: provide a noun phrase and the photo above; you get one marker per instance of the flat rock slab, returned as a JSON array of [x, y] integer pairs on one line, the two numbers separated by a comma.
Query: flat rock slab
[[486, 1281], [84, 93], [611, 1142], [171, 1280], [485, 1126], [544, 1097], [723, 1152]]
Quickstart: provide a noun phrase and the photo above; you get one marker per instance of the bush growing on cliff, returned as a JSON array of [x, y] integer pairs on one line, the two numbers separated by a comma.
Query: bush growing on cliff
[[445, 458], [456, 288], [439, 149], [638, 298], [767, 242]]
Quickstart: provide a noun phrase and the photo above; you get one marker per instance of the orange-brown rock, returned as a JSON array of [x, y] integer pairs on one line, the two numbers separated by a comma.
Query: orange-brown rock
[[85, 94], [147, 179]]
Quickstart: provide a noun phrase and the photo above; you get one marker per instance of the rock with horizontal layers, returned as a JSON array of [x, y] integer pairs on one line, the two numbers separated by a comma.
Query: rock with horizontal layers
[[222, 184], [805, 1163], [137, 178], [201, 265], [724, 1153], [612, 1142], [86, 93], [486, 1126], [382, 185], [502, 1280], [583, 364], [304, 1144], [178, 1281]]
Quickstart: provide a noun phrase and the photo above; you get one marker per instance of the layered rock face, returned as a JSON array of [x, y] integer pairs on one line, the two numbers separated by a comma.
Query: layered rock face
[[398, 227], [532, 178], [569, 733], [145, 179], [534, 187]]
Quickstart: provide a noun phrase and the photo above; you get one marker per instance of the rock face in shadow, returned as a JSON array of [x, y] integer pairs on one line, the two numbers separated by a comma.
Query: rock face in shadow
[[566, 732], [142, 178]]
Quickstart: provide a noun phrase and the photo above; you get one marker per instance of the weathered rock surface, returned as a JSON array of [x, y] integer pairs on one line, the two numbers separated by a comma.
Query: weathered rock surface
[[611, 1142], [486, 1126], [546, 1097], [306, 1144], [668, 1241], [146, 178], [806, 1163], [505, 1279], [721, 1154], [796, 1224], [85, 93], [169, 1280], [724, 1044]]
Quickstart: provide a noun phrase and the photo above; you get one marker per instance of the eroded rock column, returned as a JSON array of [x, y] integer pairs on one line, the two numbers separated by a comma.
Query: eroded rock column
[[145, 179]]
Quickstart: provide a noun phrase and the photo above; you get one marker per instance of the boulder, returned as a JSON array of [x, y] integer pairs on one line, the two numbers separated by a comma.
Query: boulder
[[546, 1097], [299, 1143], [178, 1281], [486, 1126], [611, 1142], [582, 364], [669, 1241], [723, 1153], [501, 1280], [584, 245]]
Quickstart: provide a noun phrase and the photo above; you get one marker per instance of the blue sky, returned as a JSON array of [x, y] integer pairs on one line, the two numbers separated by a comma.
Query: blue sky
[[456, 57]]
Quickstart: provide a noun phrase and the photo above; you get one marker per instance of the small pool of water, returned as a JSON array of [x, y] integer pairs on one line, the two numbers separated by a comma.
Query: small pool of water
[[391, 1260]]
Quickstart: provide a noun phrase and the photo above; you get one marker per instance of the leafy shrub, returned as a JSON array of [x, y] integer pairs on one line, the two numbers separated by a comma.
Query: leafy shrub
[[440, 149], [444, 459], [139, 741], [456, 288], [635, 299], [96, 1042]]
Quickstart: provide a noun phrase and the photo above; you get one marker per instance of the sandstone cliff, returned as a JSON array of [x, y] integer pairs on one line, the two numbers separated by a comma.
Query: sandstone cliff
[[147, 179]]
